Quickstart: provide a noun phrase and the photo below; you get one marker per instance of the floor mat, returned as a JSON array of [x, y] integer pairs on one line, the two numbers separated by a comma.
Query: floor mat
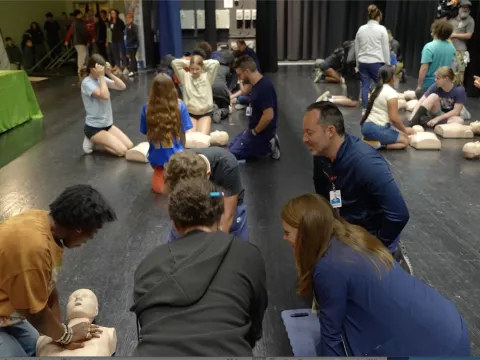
[[303, 329]]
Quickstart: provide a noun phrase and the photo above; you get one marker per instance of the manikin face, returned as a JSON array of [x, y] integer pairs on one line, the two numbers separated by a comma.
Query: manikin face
[[195, 70], [82, 304], [316, 137], [289, 233]]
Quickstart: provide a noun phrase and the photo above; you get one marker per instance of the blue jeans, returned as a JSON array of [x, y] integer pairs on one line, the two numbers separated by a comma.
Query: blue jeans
[[243, 100], [245, 145], [385, 134], [239, 225], [19, 340], [368, 72]]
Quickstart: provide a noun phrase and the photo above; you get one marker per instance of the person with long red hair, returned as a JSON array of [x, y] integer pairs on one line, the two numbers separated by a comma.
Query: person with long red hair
[[367, 304]]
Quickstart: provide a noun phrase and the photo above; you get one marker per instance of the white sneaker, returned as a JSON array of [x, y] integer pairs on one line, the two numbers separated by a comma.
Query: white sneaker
[[240, 106], [324, 96], [275, 147], [87, 145], [465, 114]]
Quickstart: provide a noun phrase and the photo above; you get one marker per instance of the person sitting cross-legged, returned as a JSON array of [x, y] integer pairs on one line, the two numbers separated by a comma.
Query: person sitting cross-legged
[[443, 101], [381, 123]]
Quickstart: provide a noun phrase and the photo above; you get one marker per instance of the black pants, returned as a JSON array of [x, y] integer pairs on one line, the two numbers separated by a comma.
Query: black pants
[[132, 60], [102, 50]]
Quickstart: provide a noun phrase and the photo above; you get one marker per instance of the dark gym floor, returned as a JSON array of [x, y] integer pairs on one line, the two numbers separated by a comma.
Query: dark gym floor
[[439, 188]]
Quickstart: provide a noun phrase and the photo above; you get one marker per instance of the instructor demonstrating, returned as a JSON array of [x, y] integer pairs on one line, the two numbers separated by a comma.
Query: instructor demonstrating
[[355, 178]]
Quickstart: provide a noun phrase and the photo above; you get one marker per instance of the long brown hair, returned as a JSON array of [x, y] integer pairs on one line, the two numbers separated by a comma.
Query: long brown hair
[[163, 113], [317, 222]]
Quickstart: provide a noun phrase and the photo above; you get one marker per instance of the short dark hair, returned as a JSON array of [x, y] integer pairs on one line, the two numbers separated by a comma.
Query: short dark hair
[[330, 115], [48, 15], [199, 52], [77, 12], [81, 206], [245, 62], [103, 12], [241, 42], [442, 29], [192, 204], [8, 38], [207, 48]]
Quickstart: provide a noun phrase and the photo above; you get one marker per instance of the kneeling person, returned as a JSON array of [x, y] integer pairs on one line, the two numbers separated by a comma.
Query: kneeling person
[[221, 167]]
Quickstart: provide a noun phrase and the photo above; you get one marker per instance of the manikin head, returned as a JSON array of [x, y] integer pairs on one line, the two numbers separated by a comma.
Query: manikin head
[[185, 165], [245, 68], [241, 45], [196, 66], [374, 13], [464, 9], [195, 204], [441, 29], [444, 77], [129, 18], [82, 304], [77, 214], [323, 125]]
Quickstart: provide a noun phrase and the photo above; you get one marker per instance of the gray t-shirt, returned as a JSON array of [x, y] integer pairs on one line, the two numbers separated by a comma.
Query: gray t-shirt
[[224, 170], [98, 111], [462, 27]]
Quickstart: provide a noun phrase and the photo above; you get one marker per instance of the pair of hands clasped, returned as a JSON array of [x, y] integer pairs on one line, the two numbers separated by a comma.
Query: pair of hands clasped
[[100, 70], [82, 332]]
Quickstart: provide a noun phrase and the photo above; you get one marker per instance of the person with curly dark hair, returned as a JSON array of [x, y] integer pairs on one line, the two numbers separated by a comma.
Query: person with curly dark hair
[[203, 294], [31, 250], [221, 167], [164, 120]]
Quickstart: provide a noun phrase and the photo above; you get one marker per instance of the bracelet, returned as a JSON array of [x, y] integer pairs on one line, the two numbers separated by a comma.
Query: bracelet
[[67, 335]]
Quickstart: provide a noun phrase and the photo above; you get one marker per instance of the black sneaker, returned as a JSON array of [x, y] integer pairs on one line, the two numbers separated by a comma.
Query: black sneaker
[[400, 256]]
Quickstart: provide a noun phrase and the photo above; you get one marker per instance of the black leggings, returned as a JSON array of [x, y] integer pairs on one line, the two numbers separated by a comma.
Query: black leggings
[[132, 60]]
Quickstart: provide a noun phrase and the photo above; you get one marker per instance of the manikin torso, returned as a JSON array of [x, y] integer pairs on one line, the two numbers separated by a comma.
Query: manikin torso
[[82, 307]]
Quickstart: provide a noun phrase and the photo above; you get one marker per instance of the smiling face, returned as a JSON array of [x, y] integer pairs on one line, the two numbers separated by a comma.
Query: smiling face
[[316, 137], [82, 304]]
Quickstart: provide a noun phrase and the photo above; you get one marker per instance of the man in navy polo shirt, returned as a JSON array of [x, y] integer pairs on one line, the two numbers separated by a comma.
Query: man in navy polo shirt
[[260, 138], [355, 178], [245, 50]]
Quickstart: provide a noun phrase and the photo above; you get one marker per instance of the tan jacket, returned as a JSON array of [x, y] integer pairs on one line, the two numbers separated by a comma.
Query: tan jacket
[[197, 93]]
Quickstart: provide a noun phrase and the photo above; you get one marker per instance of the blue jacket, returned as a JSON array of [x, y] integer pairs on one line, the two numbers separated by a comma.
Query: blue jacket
[[370, 196], [392, 315]]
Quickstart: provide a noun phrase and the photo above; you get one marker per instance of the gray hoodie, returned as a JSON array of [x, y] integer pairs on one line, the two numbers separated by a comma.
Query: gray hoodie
[[201, 295]]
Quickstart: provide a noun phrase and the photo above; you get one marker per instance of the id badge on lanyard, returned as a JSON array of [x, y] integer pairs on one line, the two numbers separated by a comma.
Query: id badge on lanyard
[[335, 195]]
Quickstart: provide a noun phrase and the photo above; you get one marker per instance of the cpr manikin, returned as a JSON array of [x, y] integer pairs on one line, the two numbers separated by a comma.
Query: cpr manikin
[[193, 140], [475, 127], [411, 105], [82, 306], [454, 131], [424, 140], [471, 150]]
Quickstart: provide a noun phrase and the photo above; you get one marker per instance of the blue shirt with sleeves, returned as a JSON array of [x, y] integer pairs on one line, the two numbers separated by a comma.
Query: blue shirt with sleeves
[[159, 155]]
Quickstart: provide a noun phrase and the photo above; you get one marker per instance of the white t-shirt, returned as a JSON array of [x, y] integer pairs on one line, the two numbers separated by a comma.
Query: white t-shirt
[[379, 112]]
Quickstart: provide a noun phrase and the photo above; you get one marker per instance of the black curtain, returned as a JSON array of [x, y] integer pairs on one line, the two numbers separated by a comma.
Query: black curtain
[[410, 21], [210, 24], [311, 29], [474, 50], [267, 35], [149, 14]]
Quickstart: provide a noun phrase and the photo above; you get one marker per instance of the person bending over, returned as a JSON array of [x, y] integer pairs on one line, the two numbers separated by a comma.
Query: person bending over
[[197, 89], [435, 54], [260, 138], [381, 122], [203, 294], [99, 129], [330, 67], [367, 304], [344, 165], [221, 167], [443, 101], [372, 50], [165, 121], [31, 251], [351, 76]]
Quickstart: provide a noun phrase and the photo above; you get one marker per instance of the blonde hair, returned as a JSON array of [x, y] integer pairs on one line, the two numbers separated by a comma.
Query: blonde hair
[[445, 72], [374, 12], [317, 222], [196, 60]]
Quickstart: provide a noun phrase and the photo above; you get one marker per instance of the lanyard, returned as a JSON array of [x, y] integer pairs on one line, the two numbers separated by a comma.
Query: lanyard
[[331, 179]]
